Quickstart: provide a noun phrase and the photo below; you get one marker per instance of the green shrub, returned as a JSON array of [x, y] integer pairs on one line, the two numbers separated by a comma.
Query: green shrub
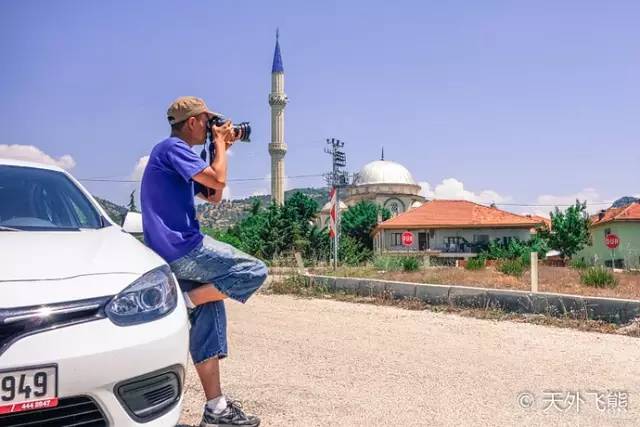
[[578, 264], [410, 264], [515, 249], [222, 236], [512, 267], [388, 263], [352, 252], [476, 263], [598, 277]]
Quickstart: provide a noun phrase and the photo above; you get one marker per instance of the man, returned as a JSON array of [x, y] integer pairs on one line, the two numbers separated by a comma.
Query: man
[[172, 230]]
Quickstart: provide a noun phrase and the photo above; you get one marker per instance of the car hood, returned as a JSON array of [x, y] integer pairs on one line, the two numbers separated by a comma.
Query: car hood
[[45, 267]]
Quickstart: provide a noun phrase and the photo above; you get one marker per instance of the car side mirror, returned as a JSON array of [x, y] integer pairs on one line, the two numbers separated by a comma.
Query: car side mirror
[[133, 223]]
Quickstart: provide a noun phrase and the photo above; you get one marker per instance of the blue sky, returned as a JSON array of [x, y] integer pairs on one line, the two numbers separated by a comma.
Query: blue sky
[[506, 101]]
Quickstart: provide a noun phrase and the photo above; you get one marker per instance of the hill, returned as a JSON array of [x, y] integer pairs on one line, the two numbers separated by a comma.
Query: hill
[[226, 213], [115, 212], [624, 201]]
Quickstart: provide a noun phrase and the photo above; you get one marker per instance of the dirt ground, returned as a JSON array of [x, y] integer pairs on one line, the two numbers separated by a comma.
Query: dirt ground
[[314, 362], [551, 279]]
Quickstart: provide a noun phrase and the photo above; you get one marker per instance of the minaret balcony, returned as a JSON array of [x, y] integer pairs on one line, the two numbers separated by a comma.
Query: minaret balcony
[[276, 148], [278, 99]]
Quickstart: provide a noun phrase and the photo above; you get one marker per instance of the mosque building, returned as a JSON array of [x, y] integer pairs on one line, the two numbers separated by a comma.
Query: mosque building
[[384, 182]]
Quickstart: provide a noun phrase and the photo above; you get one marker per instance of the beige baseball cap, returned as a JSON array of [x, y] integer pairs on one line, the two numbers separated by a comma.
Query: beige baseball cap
[[187, 106]]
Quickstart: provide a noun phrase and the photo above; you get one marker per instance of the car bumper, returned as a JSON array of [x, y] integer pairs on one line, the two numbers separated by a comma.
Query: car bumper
[[95, 357]]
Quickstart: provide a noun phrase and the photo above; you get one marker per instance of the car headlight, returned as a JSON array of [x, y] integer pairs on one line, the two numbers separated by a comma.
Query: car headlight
[[151, 297]]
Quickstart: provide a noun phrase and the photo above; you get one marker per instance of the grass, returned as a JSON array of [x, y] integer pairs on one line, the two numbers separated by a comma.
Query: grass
[[598, 277], [301, 286], [511, 267], [475, 264], [562, 280], [388, 263], [397, 263], [410, 264], [578, 264]]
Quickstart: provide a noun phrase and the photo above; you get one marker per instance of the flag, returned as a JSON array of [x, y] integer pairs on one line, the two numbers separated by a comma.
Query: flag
[[332, 213]]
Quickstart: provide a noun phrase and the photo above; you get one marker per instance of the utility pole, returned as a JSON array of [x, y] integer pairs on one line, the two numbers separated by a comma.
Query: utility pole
[[336, 179]]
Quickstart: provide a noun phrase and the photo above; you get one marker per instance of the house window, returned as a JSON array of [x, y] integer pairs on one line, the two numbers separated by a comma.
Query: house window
[[506, 240], [481, 238], [618, 263], [396, 239], [455, 244]]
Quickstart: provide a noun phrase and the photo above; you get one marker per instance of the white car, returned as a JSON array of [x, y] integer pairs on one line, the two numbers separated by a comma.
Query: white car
[[92, 328]]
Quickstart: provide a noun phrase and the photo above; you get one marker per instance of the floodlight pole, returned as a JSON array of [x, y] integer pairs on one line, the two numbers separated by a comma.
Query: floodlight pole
[[335, 179]]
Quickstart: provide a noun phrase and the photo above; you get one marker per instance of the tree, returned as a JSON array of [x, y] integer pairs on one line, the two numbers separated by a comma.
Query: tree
[[352, 252], [360, 219], [569, 230], [277, 230], [132, 202]]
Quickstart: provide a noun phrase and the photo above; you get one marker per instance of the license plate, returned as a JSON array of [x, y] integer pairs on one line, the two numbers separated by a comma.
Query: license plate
[[28, 389]]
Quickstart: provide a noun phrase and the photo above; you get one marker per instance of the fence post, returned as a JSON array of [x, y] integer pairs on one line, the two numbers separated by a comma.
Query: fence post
[[534, 271]]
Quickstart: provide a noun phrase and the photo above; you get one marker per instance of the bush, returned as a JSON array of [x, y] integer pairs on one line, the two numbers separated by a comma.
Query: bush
[[516, 249], [410, 264], [598, 277], [352, 252], [222, 236], [512, 267], [387, 263], [578, 264], [476, 263]]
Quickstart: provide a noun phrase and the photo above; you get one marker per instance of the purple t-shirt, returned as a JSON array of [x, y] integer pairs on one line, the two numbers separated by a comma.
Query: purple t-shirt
[[168, 212]]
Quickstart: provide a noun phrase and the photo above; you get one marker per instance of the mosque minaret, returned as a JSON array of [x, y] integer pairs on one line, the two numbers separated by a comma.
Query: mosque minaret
[[277, 148]]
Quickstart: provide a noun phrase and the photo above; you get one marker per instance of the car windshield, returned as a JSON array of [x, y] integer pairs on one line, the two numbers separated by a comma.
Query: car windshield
[[38, 199]]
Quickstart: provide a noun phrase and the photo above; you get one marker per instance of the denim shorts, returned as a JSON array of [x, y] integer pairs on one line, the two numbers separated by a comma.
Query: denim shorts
[[230, 271]]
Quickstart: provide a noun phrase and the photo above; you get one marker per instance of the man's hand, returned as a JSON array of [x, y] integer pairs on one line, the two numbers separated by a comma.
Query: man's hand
[[224, 135]]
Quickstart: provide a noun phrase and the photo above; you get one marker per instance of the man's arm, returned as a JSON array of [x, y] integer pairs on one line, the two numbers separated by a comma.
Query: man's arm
[[215, 175], [214, 198]]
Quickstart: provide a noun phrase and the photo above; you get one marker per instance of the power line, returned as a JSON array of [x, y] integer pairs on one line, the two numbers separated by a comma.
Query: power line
[[548, 206], [532, 205], [229, 180]]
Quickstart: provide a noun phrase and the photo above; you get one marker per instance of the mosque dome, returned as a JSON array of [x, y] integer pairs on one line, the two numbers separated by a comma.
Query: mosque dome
[[383, 172]]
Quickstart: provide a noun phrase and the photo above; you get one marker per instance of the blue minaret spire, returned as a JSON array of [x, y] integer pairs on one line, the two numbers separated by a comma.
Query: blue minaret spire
[[277, 58]]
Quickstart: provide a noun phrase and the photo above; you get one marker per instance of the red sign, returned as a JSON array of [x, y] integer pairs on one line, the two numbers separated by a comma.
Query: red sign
[[612, 241], [29, 406], [407, 238]]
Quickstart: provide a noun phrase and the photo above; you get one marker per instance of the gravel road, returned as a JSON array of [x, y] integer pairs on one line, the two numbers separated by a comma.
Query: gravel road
[[311, 362]]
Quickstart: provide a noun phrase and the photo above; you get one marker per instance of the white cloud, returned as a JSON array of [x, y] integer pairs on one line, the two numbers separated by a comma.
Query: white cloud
[[138, 170], [595, 201], [34, 154], [226, 193], [451, 188]]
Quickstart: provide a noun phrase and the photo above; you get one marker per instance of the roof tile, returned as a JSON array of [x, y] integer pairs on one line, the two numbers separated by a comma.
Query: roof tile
[[458, 214]]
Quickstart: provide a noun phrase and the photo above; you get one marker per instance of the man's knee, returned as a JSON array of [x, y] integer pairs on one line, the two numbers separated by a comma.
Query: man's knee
[[260, 271]]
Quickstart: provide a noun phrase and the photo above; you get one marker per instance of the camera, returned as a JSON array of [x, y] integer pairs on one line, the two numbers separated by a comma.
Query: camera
[[242, 131]]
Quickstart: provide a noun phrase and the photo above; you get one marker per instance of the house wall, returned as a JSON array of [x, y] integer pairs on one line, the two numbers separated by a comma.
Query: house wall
[[437, 242], [629, 250]]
